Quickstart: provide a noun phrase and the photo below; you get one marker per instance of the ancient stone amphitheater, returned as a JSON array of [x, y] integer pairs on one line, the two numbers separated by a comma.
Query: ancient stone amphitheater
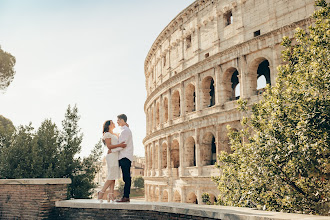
[[208, 56]]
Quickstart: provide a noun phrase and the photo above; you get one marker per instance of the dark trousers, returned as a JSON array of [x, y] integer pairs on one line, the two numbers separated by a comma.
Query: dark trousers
[[125, 165]]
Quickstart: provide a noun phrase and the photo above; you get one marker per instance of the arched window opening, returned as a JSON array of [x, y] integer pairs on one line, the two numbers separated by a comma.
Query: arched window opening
[[228, 17], [213, 199], [164, 156], [237, 91], [155, 158], [208, 149], [176, 104], [165, 196], [261, 82], [177, 196], [190, 152], [165, 110], [192, 198], [234, 84], [157, 115], [214, 152], [194, 108], [156, 195], [263, 76], [194, 155], [152, 119], [212, 94], [190, 98], [208, 92], [151, 157], [175, 159]]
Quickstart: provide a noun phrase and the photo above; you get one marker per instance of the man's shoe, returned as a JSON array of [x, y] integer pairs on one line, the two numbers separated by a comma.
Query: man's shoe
[[124, 199]]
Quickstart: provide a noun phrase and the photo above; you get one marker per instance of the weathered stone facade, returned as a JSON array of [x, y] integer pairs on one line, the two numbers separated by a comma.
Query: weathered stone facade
[[209, 55]]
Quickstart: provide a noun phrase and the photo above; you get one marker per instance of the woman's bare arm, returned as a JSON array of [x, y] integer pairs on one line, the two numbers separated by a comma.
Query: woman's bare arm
[[110, 146]]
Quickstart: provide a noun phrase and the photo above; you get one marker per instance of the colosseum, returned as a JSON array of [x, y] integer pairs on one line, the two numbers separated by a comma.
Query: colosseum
[[208, 56]]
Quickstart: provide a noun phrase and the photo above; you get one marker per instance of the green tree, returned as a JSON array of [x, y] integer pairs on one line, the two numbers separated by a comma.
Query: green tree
[[49, 153], [7, 72], [83, 184], [138, 182], [280, 159], [6, 130]]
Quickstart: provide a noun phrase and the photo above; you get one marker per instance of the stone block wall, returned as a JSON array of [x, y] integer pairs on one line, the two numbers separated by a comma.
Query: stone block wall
[[31, 198], [117, 214], [93, 209]]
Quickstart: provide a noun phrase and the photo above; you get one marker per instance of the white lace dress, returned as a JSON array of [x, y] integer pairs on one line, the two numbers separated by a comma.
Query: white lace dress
[[112, 159]]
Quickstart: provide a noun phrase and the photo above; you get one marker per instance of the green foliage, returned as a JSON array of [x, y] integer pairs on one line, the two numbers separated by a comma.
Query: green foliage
[[6, 130], [49, 153], [280, 159], [7, 72], [206, 198], [138, 182]]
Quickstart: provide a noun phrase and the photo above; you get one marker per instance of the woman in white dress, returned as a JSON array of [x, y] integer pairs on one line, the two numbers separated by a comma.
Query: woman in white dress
[[110, 140]]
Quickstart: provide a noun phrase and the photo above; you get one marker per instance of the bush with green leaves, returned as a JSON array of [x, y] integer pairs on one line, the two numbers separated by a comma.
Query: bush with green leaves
[[280, 158], [49, 152], [138, 182], [206, 198]]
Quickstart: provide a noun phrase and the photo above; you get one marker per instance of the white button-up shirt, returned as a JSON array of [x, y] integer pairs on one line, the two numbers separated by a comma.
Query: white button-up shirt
[[126, 136]]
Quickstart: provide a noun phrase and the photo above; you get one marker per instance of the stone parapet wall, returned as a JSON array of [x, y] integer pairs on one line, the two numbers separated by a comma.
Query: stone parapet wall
[[31, 198], [115, 214], [93, 209]]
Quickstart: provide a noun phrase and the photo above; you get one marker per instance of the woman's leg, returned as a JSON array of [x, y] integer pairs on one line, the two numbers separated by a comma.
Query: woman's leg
[[106, 185], [112, 190]]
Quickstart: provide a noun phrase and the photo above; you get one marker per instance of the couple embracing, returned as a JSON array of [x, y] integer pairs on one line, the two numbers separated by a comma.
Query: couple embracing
[[119, 155]]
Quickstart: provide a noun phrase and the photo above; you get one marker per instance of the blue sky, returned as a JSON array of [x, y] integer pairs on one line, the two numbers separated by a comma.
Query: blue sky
[[85, 52]]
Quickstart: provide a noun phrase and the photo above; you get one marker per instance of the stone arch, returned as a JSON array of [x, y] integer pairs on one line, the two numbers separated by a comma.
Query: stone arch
[[152, 152], [175, 158], [190, 152], [152, 118], [157, 114], [177, 196], [208, 151], [149, 157], [208, 91], [165, 104], [175, 104], [151, 193], [192, 198], [165, 196], [213, 198], [190, 98], [231, 85], [164, 155], [155, 158], [156, 199], [259, 74]]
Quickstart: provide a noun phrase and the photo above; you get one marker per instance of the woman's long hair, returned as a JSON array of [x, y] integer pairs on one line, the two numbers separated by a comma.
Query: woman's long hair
[[106, 128]]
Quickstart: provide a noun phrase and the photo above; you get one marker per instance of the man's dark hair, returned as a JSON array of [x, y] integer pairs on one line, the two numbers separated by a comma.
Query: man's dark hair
[[122, 116]]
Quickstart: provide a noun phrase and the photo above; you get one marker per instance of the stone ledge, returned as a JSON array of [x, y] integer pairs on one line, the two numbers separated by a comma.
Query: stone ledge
[[206, 211], [44, 181]]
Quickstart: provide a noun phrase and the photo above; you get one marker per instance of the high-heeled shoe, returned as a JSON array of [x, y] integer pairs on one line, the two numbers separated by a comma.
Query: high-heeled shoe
[[110, 197], [99, 197]]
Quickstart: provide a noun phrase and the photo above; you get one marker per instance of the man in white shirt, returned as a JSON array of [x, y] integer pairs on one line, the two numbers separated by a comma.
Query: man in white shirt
[[125, 155]]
